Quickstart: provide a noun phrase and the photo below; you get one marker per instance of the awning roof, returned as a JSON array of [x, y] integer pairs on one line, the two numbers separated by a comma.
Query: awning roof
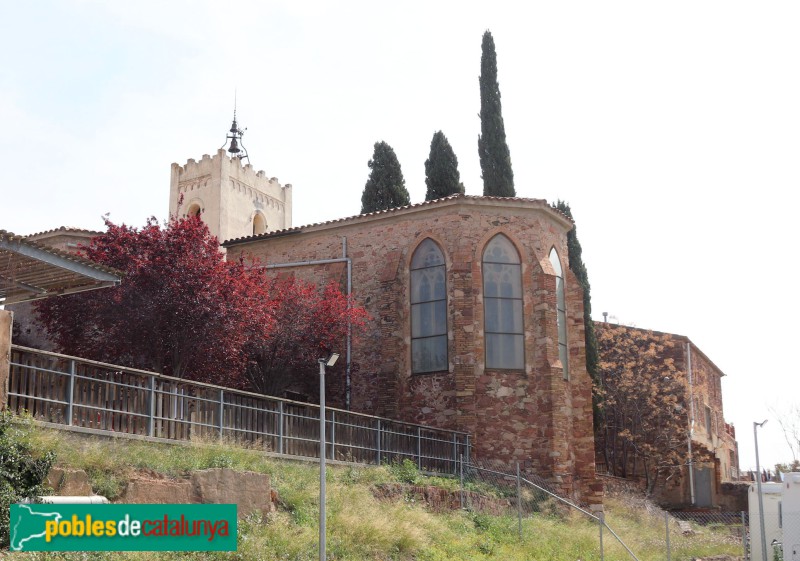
[[31, 271]]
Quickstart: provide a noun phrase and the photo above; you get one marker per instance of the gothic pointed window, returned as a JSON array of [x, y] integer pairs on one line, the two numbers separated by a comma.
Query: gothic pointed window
[[428, 309], [561, 312], [502, 305]]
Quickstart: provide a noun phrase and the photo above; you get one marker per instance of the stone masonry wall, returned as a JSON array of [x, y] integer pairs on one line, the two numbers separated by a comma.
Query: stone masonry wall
[[533, 415]]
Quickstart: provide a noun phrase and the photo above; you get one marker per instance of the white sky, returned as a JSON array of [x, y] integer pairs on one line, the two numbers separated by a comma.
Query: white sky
[[671, 128]]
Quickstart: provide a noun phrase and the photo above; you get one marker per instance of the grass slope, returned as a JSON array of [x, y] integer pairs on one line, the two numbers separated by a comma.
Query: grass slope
[[361, 527]]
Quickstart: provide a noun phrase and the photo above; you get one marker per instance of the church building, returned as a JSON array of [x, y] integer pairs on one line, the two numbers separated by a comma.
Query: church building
[[476, 321]]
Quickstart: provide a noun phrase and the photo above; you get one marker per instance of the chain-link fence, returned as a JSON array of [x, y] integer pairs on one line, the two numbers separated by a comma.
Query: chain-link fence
[[701, 533], [639, 530], [535, 503]]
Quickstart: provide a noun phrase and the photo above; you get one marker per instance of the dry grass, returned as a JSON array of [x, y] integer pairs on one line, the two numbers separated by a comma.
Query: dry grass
[[361, 528]]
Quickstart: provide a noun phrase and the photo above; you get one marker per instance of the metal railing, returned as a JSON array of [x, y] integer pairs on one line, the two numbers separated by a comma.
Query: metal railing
[[71, 391], [531, 497]]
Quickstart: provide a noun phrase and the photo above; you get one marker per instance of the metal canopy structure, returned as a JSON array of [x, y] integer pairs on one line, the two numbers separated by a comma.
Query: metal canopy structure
[[31, 271]]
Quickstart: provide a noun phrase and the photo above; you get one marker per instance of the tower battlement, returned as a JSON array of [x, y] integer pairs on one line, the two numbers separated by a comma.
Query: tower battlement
[[246, 173], [233, 199]]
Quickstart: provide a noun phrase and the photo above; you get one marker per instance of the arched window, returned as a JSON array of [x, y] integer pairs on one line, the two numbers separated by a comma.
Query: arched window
[[259, 224], [194, 210], [428, 309], [502, 305], [561, 308]]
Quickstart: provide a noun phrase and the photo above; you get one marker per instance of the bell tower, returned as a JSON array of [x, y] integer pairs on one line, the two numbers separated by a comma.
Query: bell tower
[[234, 200]]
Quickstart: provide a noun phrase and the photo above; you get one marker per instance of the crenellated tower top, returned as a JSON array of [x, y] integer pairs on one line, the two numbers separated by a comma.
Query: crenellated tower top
[[230, 196]]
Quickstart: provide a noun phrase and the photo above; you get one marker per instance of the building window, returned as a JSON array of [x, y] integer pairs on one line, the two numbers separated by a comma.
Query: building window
[[502, 305], [708, 419], [194, 210], [259, 224], [428, 309], [561, 308]]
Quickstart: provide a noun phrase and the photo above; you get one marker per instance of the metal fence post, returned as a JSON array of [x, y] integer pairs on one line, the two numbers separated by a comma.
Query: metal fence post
[[461, 480], [601, 518], [666, 529], [221, 410], [519, 503], [280, 427], [70, 397], [419, 447], [333, 435], [151, 407], [378, 443], [744, 537], [455, 452]]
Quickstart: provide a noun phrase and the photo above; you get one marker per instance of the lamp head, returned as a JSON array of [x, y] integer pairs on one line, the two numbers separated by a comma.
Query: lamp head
[[331, 360]]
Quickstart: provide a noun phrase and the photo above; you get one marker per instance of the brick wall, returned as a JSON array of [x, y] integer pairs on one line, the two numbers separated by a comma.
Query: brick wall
[[532, 415], [719, 443]]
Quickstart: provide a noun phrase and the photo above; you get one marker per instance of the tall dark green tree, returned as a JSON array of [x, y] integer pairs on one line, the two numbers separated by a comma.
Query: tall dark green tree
[[498, 179], [385, 187], [441, 169], [579, 269]]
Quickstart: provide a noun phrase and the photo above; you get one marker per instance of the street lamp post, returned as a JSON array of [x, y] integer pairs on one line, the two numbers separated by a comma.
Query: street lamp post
[[323, 362], [760, 496]]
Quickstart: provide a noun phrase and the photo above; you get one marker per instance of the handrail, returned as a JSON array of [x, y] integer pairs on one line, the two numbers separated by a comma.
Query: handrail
[[98, 396], [206, 385]]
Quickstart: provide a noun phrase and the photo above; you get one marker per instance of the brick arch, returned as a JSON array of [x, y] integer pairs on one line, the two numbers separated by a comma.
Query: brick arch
[[448, 262], [547, 267], [484, 240], [529, 258]]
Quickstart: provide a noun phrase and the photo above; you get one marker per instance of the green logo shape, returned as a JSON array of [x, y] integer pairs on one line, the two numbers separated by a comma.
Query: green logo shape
[[123, 527]]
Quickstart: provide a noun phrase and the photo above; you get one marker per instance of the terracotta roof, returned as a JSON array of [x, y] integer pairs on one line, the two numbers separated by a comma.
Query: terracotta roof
[[66, 229], [390, 211], [30, 270]]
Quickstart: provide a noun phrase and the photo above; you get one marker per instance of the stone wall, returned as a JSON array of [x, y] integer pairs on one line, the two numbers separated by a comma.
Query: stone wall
[[533, 415], [712, 437], [619, 486], [441, 500]]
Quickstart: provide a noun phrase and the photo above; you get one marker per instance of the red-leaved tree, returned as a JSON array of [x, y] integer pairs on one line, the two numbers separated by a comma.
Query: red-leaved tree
[[310, 324], [181, 309], [185, 311]]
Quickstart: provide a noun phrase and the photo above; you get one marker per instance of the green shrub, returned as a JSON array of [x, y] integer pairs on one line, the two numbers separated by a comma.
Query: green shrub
[[22, 473], [405, 472]]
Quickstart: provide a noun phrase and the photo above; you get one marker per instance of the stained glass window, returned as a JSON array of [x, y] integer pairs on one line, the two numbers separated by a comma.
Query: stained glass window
[[428, 309], [502, 305], [561, 312]]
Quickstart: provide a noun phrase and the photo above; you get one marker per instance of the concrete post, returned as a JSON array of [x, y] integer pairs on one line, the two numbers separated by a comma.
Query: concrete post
[[6, 322]]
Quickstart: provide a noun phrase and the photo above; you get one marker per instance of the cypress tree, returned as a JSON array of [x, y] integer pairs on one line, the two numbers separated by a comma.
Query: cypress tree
[[441, 170], [385, 187], [498, 179], [577, 266]]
